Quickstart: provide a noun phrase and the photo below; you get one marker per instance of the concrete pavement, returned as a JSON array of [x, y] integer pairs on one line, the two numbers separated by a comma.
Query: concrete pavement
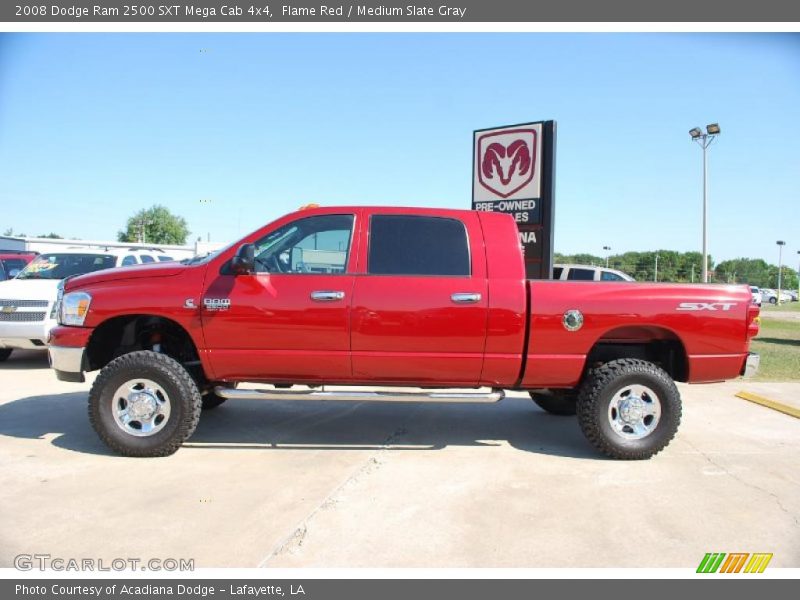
[[388, 485]]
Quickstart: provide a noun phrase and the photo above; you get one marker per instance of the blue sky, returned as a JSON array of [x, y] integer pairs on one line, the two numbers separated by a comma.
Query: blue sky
[[96, 126]]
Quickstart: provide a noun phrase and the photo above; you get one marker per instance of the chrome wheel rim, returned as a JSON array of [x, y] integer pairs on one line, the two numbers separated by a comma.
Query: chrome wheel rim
[[634, 412], [140, 407]]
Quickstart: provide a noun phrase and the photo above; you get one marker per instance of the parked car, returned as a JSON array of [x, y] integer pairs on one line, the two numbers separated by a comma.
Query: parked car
[[377, 296], [13, 262], [771, 296], [793, 294], [588, 273], [28, 302], [756, 293]]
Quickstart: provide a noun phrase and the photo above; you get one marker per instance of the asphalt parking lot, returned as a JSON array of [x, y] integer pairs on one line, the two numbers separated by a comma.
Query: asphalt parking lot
[[279, 484]]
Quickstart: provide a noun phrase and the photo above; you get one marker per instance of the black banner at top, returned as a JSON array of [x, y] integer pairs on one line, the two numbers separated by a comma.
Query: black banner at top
[[466, 11]]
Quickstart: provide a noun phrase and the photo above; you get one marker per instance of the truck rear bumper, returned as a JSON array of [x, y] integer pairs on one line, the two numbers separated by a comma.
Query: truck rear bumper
[[751, 365], [67, 363]]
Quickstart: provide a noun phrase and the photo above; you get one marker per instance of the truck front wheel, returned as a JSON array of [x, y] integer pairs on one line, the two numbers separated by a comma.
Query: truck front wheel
[[144, 404], [629, 409]]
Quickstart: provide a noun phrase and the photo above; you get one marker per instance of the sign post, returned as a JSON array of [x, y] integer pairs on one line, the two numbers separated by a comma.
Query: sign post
[[513, 169]]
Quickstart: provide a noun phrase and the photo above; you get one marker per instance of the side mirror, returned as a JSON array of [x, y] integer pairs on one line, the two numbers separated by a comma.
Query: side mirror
[[244, 262]]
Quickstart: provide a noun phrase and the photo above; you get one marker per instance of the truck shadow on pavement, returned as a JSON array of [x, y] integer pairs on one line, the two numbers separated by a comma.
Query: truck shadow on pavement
[[61, 419], [24, 360]]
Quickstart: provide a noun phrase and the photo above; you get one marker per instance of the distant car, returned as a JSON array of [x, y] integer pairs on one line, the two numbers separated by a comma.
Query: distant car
[[756, 293], [771, 296], [13, 262], [793, 294], [588, 273], [28, 301]]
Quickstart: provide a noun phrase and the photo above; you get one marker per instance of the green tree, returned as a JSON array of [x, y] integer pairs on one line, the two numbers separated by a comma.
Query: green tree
[[155, 225]]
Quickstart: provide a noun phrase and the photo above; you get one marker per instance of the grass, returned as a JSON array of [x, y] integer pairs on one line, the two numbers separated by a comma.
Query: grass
[[786, 306], [778, 343]]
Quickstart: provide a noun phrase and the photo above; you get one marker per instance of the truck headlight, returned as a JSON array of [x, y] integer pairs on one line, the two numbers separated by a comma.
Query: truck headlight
[[74, 308]]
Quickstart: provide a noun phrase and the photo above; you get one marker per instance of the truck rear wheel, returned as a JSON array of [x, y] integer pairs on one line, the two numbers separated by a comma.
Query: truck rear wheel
[[5, 353], [144, 404], [629, 409], [559, 402]]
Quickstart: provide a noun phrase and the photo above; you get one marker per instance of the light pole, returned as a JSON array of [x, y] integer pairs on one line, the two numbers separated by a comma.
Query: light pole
[[608, 251], [655, 273], [798, 274], [206, 201], [781, 244], [704, 141]]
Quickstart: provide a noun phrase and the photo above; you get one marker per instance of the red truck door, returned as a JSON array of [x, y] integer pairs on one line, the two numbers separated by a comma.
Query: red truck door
[[290, 321], [419, 309]]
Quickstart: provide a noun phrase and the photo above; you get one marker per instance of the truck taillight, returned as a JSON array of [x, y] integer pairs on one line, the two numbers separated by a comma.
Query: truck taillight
[[753, 320]]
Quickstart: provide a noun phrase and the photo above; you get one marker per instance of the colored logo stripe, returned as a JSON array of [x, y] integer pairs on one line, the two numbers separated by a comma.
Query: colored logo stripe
[[758, 563], [734, 562], [711, 562]]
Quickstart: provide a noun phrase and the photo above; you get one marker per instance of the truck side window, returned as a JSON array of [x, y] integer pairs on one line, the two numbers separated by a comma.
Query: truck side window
[[318, 244], [417, 245], [608, 276], [580, 274]]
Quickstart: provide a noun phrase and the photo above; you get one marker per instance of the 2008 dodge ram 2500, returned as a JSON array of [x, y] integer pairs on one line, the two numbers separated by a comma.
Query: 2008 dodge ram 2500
[[367, 296]]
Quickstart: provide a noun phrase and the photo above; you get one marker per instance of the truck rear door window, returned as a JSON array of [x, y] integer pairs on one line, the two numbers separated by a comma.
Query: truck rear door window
[[417, 245]]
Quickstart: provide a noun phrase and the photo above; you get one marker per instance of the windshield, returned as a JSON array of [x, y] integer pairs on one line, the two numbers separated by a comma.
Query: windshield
[[59, 266]]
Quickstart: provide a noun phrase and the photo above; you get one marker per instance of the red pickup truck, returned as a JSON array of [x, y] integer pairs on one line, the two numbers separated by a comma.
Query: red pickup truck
[[390, 297]]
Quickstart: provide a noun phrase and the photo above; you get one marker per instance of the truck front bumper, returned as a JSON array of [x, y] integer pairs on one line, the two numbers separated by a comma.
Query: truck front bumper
[[67, 363], [751, 365]]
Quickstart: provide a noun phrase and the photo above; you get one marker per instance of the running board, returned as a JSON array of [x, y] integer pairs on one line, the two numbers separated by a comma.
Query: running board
[[357, 396]]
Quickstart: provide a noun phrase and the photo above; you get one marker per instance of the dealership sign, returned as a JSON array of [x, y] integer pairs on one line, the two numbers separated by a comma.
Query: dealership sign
[[513, 171]]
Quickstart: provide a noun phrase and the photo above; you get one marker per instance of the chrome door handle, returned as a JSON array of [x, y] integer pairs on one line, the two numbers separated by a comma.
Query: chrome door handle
[[327, 296], [465, 298]]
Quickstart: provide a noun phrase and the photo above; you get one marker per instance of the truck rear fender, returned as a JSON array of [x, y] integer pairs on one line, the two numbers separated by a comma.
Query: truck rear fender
[[651, 343]]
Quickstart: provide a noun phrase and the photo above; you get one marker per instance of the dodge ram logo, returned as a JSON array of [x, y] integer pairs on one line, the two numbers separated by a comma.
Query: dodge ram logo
[[507, 160]]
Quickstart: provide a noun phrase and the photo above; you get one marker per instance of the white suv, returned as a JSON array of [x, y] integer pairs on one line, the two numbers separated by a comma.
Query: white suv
[[588, 273], [28, 301]]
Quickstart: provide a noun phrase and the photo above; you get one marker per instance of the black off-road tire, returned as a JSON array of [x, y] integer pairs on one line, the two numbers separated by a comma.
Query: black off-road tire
[[556, 402], [597, 393], [184, 398], [5, 353]]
